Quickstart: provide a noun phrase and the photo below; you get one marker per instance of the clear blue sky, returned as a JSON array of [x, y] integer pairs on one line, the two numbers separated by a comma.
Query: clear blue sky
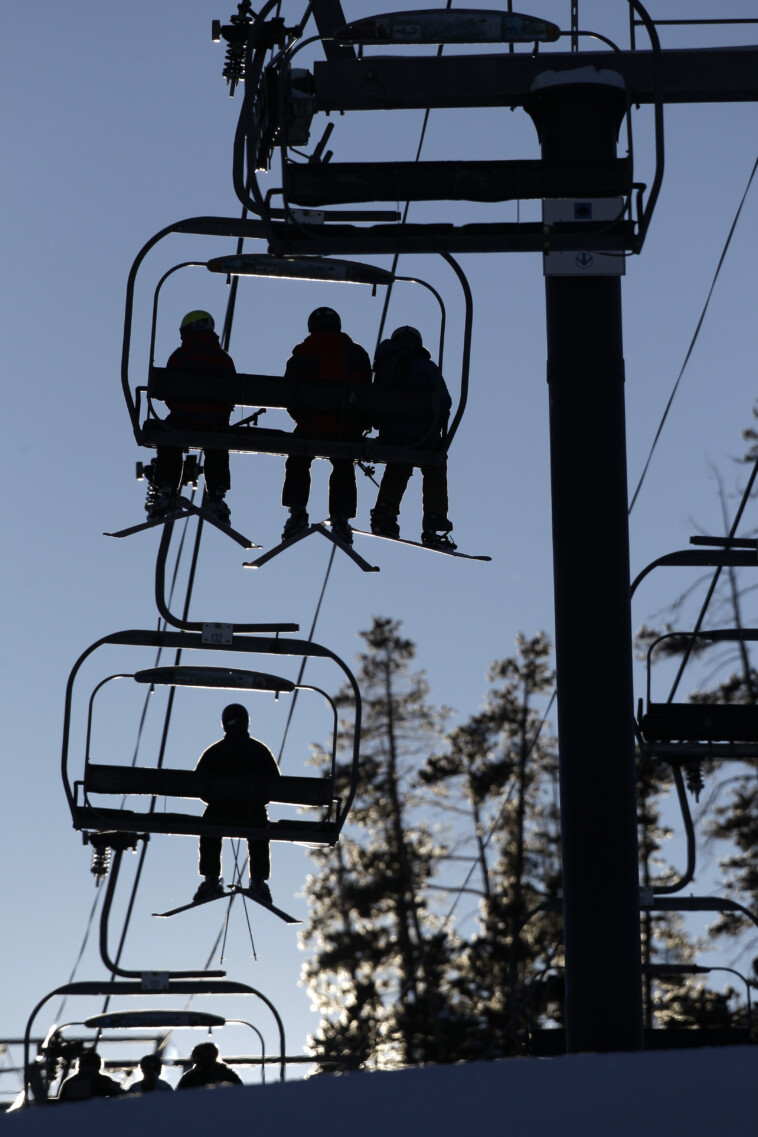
[[117, 122]]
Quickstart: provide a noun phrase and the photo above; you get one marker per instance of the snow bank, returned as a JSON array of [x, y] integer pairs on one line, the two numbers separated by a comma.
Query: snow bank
[[699, 1092]]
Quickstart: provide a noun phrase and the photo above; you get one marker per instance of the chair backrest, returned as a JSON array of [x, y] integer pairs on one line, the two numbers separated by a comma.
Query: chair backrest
[[143, 780]]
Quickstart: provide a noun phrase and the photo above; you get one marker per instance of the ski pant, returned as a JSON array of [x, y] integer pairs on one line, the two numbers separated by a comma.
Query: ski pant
[[433, 487], [343, 493], [169, 463], [210, 847]]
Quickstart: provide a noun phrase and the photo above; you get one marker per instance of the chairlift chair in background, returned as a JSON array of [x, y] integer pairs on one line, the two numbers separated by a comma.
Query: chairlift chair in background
[[37, 1080], [105, 779], [282, 98]]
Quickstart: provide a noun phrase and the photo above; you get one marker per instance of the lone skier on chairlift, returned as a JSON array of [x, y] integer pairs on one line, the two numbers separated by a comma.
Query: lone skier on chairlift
[[327, 355], [238, 756], [199, 353], [402, 363]]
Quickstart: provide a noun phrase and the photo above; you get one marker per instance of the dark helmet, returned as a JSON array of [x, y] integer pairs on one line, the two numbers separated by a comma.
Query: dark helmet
[[197, 321], [205, 1054], [407, 336], [235, 717], [324, 320]]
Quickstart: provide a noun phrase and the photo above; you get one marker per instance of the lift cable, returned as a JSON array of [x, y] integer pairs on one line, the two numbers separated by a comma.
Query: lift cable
[[714, 581], [99, 892], [162, 626], [135, 756], [225, 340], [396, 256], [301, 672], [378, 339], [689, 872], [239, 870], [695, 335], [161, 753], [226, 333]]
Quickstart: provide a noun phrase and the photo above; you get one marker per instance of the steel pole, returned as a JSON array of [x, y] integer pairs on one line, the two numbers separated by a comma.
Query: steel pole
[[577, 118]]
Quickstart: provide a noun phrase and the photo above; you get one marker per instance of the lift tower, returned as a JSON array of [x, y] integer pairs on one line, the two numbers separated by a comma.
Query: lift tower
[[579, 120]]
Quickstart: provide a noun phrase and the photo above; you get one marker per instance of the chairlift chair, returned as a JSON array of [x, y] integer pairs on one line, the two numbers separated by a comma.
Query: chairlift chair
[[283, 97], [683, 732], [264, 391], [698, 730], [107, 779], [37, 1085]]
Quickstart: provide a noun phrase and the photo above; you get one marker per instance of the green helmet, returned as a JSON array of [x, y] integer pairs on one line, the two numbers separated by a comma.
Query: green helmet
[[198, 321]]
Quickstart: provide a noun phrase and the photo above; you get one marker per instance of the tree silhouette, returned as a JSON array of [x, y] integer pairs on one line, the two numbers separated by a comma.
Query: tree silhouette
[[379, 953]]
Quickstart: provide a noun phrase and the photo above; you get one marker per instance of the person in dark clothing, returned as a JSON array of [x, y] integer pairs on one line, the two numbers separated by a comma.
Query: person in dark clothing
[[200, 352], [151, 1080], [403, 364], [236, 755], [326, 355], [207, 1070], [88, 1082]]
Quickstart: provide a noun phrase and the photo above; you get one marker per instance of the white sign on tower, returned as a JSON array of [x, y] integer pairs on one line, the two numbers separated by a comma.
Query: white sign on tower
[[585, 262]]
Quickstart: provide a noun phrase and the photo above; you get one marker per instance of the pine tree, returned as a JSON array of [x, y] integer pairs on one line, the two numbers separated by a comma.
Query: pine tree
[[379, 957], [503, 762]]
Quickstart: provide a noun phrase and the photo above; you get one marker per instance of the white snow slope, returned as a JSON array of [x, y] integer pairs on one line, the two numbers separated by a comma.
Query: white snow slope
[[693, 1092]]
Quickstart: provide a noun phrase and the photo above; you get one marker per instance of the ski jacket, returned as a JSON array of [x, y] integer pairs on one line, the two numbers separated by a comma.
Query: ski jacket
[[329, 357], [88, 1084], [237, 756], [159, 1085], [202, 354], [209, 1075], [400, 367]]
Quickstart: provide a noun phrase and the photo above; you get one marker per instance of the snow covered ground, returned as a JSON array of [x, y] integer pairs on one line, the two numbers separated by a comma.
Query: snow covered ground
[[696, 1092]]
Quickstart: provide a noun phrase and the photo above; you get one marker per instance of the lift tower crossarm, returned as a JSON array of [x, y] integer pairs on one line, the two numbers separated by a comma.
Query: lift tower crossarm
[[713, 75]]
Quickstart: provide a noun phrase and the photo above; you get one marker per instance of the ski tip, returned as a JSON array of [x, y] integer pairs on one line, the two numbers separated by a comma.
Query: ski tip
[[285, 916]]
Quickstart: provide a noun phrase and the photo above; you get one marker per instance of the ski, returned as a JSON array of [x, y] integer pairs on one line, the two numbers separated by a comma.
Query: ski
[[306, 532], [187, 509], [228, 895], [325, 531], [195, 904], [421, 545], [236, 888], [149, 524]]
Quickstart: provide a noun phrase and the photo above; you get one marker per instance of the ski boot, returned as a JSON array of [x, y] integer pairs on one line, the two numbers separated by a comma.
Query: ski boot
[[160, 502], [341, 528], [435, 533], [296, 522], [259, 887], [210, 888], [214, 503], [384, 520]]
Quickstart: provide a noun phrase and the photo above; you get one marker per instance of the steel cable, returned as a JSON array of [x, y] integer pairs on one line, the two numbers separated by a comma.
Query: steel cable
[[693, 341]]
